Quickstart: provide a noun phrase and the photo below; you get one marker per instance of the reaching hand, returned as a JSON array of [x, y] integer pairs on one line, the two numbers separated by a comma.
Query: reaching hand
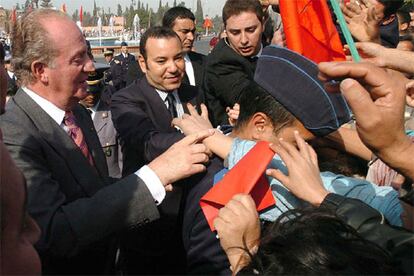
[[363, 20], [304, 179], [377, 98], [194, 122], [233, 113], [182, 159], [371, 52], [238, 226], [279, 38]]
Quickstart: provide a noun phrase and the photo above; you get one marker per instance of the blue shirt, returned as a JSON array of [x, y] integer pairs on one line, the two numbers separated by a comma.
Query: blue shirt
[[384, 199]]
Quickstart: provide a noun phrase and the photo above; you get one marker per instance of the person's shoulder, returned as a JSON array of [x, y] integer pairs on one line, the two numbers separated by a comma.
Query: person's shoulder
[[132, 91], [223, 54], [115, 62], [195, 55]]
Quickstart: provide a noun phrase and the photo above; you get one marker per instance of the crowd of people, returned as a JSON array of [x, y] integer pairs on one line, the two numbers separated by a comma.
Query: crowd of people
[[103, 166]]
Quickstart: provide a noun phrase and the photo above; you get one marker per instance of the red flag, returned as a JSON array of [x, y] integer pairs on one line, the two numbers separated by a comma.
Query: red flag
[[81, 14], [246, 177], [310, 31], [13, 16]]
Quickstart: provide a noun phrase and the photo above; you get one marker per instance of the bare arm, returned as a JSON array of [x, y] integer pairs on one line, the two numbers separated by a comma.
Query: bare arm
[[218, 143], [348, 140], [377, 98]]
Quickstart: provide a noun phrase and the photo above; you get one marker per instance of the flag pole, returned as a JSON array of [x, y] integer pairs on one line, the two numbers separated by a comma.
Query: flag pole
[[345, 30]]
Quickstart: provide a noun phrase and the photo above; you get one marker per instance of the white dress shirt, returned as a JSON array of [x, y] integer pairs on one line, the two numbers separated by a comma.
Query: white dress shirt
[[189, 70], [147, 175], [178, 105]]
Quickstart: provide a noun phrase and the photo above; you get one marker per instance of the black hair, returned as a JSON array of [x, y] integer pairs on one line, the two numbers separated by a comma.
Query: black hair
[[155, 32], [391, 6], [2, 53], [407, 37], [236, 7], [255, 99], [315, 241], [403, 17], [176, 12]]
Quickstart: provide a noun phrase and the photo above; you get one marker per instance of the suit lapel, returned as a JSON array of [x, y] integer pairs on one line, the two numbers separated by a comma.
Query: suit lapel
[[60, 141], [85, 123], [187, 94], [197, 63], [156, 104]]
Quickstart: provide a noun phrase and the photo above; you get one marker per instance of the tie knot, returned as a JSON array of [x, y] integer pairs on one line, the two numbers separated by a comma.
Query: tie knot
[[69, 118]]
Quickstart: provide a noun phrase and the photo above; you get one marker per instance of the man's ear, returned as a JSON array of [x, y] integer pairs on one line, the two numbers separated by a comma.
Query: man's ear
[[404, 26], [258, 124], [39, 72], [142, 63], [409, 98]]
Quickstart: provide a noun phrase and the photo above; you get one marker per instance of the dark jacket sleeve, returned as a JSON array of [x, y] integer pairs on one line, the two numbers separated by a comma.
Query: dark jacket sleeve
[[371, 225], [140, 137], [63, 210]]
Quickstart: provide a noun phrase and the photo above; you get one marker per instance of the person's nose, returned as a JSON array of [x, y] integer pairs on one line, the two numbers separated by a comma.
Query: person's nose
[[243, 38], [89, 66], [190, 36]]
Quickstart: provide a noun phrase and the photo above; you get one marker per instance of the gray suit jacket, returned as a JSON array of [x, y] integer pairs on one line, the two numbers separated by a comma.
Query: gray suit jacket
[[76, 206], [109, 139]]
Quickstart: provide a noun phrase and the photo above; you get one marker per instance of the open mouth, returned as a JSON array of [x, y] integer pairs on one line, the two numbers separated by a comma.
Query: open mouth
[[246, 49]]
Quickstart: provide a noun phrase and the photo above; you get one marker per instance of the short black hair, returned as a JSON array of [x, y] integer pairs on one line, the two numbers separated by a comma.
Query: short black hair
[[403, 17], [255, 99], [155, 32], [391, 6], [176, 12], [315, 241], [2, 53], [236, 7]]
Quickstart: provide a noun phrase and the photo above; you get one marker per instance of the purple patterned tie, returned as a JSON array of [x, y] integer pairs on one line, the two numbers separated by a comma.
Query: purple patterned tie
[[76, 134]]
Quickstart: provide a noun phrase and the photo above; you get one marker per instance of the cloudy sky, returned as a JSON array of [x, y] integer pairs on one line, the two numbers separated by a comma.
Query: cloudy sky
[[210, 7]]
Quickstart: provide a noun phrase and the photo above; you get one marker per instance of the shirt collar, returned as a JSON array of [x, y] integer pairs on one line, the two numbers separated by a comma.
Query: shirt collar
[[187, 58], [52, 110], [260, 51], [11, 74], [164, 94]]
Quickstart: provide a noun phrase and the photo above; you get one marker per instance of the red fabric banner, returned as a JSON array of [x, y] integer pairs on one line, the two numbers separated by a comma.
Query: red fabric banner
[[310, 31], [246, 177]]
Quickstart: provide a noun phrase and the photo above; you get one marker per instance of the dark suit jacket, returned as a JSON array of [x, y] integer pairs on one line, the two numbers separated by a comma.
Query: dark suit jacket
[[11, 86], [125, 63], [198, 63], [203, 250], [226, 75], [134, 73], [75, 205], [144, 123], [108, 138]]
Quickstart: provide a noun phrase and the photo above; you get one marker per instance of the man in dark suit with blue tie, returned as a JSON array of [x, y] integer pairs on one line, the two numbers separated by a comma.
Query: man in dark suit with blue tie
[[142, 115], [51, 138]]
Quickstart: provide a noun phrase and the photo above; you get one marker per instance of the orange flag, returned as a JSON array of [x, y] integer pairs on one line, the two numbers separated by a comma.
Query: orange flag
[[246, 177], [310, 31], [13, 16], [81, 14]]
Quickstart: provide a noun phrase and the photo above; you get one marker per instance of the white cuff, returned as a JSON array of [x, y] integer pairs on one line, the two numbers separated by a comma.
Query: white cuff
[[153, 183]]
